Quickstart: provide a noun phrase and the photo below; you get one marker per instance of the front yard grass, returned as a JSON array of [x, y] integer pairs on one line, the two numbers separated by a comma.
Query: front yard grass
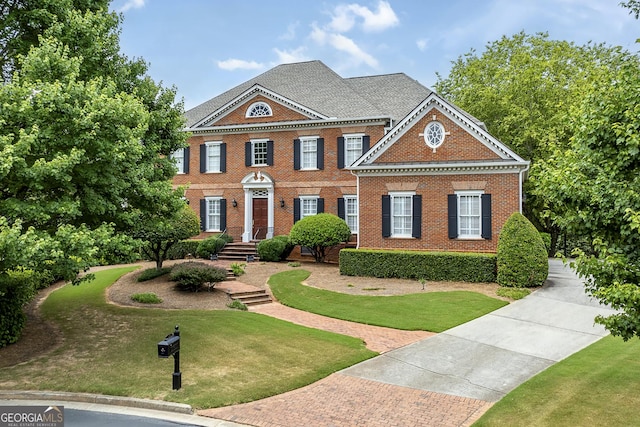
[[430, 311], [226, 357], [595, 387]]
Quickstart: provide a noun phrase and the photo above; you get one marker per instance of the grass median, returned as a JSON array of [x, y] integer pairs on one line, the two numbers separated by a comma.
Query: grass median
[[597, 386], [430, 311], [226, 356]]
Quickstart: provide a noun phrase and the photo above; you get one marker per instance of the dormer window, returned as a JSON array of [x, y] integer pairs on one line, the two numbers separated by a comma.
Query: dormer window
[[259, 109]]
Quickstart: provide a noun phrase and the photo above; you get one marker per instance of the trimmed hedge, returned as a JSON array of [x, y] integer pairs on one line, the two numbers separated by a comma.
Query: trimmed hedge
[[522, 256], [270, 249], [210, 246], [446, 266], [17, 287]]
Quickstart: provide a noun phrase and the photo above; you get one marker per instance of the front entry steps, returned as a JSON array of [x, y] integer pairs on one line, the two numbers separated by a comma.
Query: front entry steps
[[239, 251], [246, 294]]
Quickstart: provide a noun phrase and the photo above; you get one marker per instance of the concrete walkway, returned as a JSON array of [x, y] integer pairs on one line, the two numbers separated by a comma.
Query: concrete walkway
[[449, 379]]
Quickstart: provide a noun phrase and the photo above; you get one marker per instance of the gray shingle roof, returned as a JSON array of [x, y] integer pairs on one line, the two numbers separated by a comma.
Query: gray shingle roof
[[315, 86]]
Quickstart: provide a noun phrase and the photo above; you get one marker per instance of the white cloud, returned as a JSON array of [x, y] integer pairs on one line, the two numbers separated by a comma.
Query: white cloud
[[235, 64], [291, 31], [345, 44], [344, 17], [288, 57], [132, 4], [422, 44]]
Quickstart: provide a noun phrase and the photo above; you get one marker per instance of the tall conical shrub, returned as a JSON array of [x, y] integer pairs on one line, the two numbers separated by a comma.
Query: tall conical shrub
[[522, 256]]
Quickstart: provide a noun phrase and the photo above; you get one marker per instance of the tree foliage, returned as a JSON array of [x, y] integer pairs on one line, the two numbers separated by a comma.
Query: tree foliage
[[160, 232], [320, 233], [523, 88], [595, 182]]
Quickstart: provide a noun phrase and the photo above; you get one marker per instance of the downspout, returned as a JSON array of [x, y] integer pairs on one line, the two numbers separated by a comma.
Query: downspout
[[358, 199], [521, 185]]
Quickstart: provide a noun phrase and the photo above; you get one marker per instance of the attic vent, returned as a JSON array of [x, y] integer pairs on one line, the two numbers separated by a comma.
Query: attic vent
[[259, 109], [434, 135]]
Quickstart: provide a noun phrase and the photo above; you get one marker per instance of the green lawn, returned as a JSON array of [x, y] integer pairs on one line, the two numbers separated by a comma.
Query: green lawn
[[596, 387], [227, 356], [431, 311]]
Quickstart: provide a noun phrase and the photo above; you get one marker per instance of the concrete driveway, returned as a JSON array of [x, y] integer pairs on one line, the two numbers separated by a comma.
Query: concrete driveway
[[488, 357]]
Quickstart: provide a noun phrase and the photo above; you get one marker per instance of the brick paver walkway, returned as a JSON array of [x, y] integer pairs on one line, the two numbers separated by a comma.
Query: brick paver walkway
[[341, 400]]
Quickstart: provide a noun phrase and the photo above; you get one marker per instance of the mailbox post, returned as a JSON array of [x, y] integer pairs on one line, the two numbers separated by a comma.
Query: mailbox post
[[170, 346]]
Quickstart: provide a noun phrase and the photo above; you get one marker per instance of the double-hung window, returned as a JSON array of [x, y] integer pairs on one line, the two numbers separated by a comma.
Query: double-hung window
[[213, 157], [351, 213], [213, 214], [469, 215], [178, 157], [352, 148], [308, 206], [309, 153], [401, 214], [259, 152]]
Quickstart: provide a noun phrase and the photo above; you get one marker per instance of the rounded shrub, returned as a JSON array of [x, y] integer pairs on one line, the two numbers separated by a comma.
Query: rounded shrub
[[270, 249], [190, 276], [319, 233], [210, 246], [522, 256], [288, 246]]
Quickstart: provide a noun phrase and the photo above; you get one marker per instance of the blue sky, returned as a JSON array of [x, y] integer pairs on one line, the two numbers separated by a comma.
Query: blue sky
[[205, 47]]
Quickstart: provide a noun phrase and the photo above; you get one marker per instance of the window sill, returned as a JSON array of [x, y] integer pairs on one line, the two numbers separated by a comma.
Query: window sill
[[213, 172], [472, 238]]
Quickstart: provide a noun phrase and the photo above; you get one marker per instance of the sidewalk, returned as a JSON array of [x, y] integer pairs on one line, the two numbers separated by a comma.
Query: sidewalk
[[450, 379]]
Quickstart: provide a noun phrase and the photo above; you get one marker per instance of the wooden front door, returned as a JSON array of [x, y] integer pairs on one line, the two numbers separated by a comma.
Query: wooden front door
[[260, 219]]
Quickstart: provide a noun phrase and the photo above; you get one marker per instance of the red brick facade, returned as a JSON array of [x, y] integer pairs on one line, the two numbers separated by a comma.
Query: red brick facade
[[399, 162]]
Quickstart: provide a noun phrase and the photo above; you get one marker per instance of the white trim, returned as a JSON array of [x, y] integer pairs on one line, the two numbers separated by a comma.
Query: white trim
[[207, 200], [287, 125], [453, 168], [253, 92], [209, 144], [392, 196], [257, 181], [247, 114], [308, 139], [352, 135], [354, 197], [472, 193], [302, 200], [174, 158], [253, 152]]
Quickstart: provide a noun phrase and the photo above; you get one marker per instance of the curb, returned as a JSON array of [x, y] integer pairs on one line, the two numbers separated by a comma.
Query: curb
[[130, 402]]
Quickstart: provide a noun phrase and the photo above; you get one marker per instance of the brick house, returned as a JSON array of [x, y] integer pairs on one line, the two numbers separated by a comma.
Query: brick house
[[403, 167]]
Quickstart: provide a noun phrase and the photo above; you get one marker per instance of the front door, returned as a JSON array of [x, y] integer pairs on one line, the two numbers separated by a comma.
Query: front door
[[260, 219]]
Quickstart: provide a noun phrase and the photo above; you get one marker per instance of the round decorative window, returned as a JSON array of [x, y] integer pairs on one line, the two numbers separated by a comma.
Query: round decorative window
[[434, 134]]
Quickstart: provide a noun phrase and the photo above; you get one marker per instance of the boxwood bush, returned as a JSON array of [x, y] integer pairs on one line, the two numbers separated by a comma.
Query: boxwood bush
[[190, 276], [181, 249], [210, 246], [449, 266], [270, 249], [288, 246], [522, 256]]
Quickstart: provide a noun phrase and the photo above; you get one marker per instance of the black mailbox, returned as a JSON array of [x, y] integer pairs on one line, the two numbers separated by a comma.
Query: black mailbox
[[169, 346]]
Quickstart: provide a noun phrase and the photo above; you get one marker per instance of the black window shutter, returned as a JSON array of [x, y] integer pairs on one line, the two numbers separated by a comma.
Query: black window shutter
[[203, 214], [223, 214], [366, 143], [320, 153], [296, 210], [416, 226], [185, 166], [247, 154], [223, 157], [386, 215], [486, 216], [341, 152], [203, 158], [341, 208], [296, 154], [452, 201], [320, 205], [269, 153]]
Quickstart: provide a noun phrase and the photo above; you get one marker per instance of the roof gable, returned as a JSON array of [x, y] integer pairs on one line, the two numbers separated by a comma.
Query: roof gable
[[244, 98], [412, 128]]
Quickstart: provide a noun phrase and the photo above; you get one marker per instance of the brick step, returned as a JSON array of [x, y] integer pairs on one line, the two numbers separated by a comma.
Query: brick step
[[251, 297]]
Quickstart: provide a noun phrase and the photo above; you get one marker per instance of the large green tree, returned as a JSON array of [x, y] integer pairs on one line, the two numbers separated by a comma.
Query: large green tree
[[595, 183], [523, 87]]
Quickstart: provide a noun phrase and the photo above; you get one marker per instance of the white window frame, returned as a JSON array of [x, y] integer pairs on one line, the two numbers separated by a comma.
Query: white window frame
[[254, 151], [308, 206], [178, 157], [351, 216], [263, 106], [399, 227], [213, 214], [351, 154], [309, 153], [465, 229], [212, 147]]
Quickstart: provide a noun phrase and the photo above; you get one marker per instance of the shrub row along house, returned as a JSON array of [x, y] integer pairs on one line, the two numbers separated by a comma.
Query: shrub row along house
[[405, 168]]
